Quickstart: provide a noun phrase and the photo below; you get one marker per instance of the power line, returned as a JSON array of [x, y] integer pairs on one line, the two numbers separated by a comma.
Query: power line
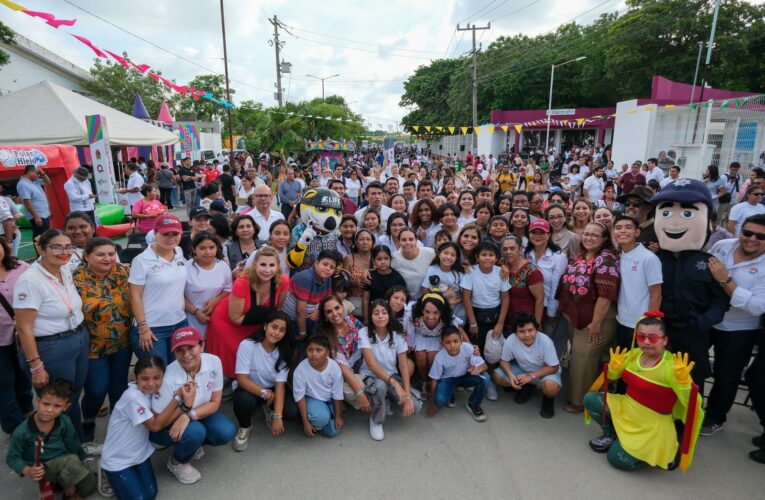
[[516, 10], [210, 70], [474, 14], [446, 52]]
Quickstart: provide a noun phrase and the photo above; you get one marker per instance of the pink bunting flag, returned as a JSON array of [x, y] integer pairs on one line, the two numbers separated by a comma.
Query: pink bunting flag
[[124, 62], [140, 67], [168, 83], [50, 19], [92, 47], [154, 76]]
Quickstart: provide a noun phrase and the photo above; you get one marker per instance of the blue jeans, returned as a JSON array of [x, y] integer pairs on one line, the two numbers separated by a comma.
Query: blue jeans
[[67, 359], [15, 390], [446, 386], [107, 374], [215, 430], [161, 346], [134, 483], [321, 414], [174, 196]]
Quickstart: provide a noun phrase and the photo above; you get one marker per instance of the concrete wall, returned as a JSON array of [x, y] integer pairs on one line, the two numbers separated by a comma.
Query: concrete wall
[[632, 133]]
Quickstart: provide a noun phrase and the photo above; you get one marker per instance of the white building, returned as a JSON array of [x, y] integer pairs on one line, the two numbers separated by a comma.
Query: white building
[[31, 63]]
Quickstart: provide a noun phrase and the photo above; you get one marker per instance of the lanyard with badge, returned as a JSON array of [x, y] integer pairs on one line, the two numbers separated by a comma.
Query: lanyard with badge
[[73, 323]]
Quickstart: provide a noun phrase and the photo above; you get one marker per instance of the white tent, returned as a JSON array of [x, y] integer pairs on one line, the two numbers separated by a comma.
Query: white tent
[[46, 113]]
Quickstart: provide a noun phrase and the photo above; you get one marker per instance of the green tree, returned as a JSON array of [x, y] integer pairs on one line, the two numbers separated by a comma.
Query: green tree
[[204, 109], [116, 87], [624, 52], [6, 37]]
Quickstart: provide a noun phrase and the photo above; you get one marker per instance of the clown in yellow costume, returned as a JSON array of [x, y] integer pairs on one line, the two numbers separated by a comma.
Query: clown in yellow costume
[[639, 426]]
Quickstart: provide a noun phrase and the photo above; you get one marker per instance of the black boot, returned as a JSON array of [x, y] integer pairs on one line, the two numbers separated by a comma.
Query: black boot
[[548, 407], [524, 394], [758, 455]]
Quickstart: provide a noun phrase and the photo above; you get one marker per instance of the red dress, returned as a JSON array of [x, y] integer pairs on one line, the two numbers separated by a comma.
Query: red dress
[[224, 336]]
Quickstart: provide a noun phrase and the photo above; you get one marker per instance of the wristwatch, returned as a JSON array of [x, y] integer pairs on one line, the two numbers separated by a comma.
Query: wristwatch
[[725, 282]]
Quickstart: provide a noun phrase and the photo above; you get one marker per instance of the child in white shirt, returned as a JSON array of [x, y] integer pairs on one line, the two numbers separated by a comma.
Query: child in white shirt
[[317, 386]]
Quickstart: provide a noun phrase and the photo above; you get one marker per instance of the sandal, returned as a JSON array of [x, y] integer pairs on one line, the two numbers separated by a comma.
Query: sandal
[[572, 408]]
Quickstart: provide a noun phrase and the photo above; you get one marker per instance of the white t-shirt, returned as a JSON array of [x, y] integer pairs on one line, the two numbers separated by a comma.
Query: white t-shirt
[[385, 352], [639, 269], [252, 360], [204, 284], [594, 186], [352, 188], [38, 289], [486, 288], [741, 211], [413, 270], [656, 173], [163, 286], [323, 385], [551, 265], [448, 366], [208, 380], [574, 179], [385, 212], [127, 438], [134, 181], [531, 358]]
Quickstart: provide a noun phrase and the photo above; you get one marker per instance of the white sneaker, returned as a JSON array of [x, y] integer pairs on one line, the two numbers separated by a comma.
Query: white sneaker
[[491, 391], [184, 473], [93, 449], [242, 439], [376, 430], [199, 453], [104, 488]]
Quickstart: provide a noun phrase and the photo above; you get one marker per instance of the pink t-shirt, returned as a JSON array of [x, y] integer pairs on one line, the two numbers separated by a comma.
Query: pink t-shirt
[[7, 328], [153, 208]]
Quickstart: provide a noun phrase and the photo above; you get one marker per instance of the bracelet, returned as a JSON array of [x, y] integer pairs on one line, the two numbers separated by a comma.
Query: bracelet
[[388, 381], [38, 369], [195, 311], [177, 398], [276, 417], [140, 324], [264, 393], [360, 392], [473, 325], [193, 415], [183, 407], [32, 360]]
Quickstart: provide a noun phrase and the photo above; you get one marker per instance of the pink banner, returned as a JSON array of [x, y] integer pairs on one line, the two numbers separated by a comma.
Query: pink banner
[[92, 47]]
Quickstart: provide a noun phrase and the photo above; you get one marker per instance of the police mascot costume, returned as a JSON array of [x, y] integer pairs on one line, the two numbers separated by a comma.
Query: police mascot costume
[[320, 211], [692, 300]]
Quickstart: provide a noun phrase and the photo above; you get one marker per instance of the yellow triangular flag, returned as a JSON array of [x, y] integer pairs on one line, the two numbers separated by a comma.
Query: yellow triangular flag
[[649, 109], [451, 130], [580, 121], [669, 106], [427, 128], [416, 128], [439, 128], [631, 111], [504, 128], [13, 6], [490, 128], [464, 130], [518, 128], [477, 130]]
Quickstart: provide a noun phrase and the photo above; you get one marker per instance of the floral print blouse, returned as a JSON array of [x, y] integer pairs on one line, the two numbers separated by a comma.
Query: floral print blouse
[[106, 306], [586, 280]]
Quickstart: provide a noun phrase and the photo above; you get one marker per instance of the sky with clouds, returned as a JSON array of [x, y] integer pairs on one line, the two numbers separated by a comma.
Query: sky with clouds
[[373, 45]]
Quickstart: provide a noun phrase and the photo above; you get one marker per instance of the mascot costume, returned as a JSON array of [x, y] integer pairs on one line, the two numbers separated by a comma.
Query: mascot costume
[[320, 211], [692, 300]]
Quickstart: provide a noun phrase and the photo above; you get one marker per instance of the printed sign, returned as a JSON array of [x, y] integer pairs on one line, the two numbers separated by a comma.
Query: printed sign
[[101, 154], [10, 158]]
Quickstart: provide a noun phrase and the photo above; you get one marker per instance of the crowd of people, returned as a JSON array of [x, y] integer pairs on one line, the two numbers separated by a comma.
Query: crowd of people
[[518, 273]]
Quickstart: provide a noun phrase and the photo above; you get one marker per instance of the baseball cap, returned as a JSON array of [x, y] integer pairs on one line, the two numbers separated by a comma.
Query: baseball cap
[[186, 335], [642, 192], [539, 223], [168, 224], [554, 189], [196, 163], [198, 212], [219, 206]]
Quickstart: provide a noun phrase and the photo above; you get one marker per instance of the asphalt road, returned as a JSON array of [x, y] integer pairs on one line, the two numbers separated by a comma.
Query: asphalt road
[[515, 454]]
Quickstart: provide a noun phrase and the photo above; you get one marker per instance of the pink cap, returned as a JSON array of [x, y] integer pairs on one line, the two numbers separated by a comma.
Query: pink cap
[[168, 224], [540, 223], [186, 335]]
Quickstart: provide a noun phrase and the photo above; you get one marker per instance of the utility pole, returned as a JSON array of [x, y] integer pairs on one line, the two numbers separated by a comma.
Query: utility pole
[[277, 46], [228, 90], [705, 71], [322, 82], [473, 28]]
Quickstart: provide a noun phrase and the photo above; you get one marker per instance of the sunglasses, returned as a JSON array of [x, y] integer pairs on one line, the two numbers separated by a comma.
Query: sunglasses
[[748, 234], [633, 203], [651, 339], [757, 194]]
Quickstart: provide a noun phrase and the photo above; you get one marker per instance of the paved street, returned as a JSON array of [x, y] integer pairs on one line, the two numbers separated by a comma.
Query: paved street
[[515, 454]]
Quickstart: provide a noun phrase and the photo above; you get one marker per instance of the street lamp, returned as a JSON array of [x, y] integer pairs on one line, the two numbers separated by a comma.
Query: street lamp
[[322, 82], [549, 102]]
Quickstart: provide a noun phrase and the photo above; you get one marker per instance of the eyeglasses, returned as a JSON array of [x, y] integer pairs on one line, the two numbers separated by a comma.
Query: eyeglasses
[[262, 196], [59, 249], [757, 194], [633, 204], [748, 234], [592, 235], [651, 339]]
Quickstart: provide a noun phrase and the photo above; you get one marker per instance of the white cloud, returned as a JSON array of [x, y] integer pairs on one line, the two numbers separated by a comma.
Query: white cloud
[[371, 79]]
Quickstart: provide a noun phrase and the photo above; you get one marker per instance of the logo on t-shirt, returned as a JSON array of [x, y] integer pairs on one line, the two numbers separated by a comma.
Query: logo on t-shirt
[[140, 410]]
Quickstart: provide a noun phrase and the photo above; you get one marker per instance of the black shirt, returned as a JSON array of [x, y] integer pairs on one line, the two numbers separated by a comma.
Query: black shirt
[[226, 185], [183, 171], [381, 283]]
